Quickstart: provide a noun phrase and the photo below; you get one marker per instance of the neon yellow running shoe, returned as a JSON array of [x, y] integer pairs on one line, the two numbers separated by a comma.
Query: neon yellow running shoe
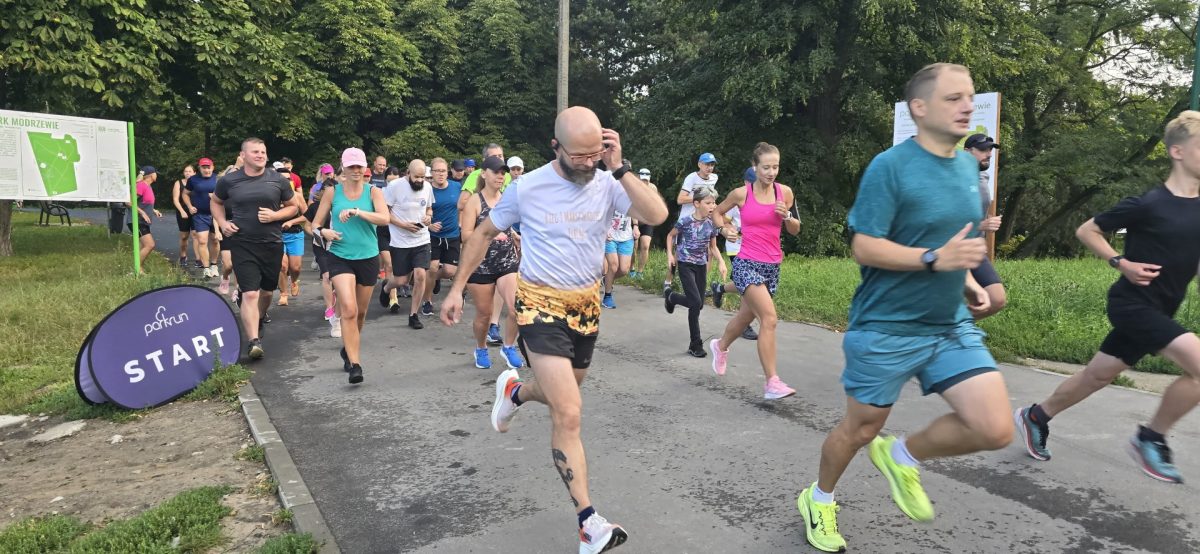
[[904, 480], [820, 522]]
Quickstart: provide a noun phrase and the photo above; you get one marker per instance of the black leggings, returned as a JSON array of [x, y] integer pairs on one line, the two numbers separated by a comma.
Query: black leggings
[[694, 279]]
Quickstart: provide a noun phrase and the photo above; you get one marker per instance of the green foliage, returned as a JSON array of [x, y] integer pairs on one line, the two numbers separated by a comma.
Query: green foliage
[[291, 543], [255, 453], [41, 534]]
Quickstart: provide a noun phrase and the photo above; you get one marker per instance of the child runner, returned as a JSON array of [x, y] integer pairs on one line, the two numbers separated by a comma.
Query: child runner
[[690, 246]]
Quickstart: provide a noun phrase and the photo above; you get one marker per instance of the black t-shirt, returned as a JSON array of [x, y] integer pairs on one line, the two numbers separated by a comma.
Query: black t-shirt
[[1161, 229], [311, 215], [245, 195]]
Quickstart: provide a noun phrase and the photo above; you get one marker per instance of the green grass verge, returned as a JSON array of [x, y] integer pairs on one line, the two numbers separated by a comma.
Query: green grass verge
[[291, 543], [1055, 307]]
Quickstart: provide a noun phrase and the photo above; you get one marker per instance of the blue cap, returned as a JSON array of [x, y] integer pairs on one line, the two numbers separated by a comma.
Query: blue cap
[[148, 170], [750, 176], [470, 162], [708, 158]]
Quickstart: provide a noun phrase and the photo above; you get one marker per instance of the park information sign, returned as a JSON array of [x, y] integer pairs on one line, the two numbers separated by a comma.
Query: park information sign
[[157, 347], [64, 158], [986, 120]]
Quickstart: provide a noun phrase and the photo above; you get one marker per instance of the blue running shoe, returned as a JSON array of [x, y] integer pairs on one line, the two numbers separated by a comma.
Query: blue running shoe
[[493, 337], [1033, 434], [1155, 459], [512, 357], [608, 301], [482, 359]]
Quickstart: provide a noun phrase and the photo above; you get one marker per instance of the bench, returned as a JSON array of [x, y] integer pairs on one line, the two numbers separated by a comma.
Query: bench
[[53, 210]]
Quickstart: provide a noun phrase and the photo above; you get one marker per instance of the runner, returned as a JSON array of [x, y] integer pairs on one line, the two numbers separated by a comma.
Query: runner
[[618, 254], [200, 188], [495, 280], [352, 208], [260, 199], [458, 172], [293, 252], [732, 248], [516, 168], [297, 184], [689, 245], [444, 233], [468, 190], [321, 254], [378, 178], [765, 207], [410, 202], [703, 176], [145, 207], [182, 218], [645, 232], [982, 146], [1161, 257], [916, 208], [563, 209]]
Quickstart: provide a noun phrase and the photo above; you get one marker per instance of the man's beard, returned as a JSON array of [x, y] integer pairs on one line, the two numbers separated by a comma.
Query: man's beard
[[983, 166], [579, 177], [416, 185]]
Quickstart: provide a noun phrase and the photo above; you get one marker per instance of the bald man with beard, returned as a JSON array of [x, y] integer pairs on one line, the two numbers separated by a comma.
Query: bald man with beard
[[564, 209], [410, 203]]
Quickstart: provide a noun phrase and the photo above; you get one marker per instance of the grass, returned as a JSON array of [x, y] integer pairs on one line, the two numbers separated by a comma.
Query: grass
[[189, 522], [255, 453], [1055, 307], [291, 543], [282, 516]]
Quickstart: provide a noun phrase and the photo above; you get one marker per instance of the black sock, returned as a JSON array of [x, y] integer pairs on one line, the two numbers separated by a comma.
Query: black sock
[[1147, 434], [584, 514], [1038, 415]]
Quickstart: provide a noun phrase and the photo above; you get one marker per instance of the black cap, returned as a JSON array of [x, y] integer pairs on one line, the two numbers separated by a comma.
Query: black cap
[[980, 141], [494, 163], [458, 165], [147, 170]]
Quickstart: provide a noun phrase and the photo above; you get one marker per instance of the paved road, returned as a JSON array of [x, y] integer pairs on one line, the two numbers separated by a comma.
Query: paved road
[[687, 461]]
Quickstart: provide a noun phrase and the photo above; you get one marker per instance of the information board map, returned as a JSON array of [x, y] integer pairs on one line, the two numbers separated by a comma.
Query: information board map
[[63, 158]]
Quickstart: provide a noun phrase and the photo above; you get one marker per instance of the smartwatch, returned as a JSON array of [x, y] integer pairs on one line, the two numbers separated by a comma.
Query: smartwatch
[[620, 172], [929, 258], [1115, 261]]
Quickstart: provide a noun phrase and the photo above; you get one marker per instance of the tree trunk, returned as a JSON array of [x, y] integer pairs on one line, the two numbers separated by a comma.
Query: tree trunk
[[1038, 235], [6, 209], [1012, 207]]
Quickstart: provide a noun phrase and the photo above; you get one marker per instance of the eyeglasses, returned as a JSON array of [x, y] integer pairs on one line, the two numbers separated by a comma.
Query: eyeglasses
[[439, 171], [581, 158]]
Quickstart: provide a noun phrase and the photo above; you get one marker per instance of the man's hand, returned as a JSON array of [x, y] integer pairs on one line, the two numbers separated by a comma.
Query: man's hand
[[961, 252], [408, 226], [612, 149], [267, 215], [192, 209], [452, 307], [228, 228], [991, 224], [157, 214], [435, 227], [978, 300], [1138, 273]]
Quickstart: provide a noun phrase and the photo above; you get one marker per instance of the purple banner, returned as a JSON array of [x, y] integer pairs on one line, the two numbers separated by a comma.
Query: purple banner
[[157, 347]]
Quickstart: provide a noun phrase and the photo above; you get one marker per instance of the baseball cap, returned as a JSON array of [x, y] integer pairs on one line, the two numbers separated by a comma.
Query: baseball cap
[[643, 172], [708, 158], [470, 162], [277, 165], [205, 162], [428, 172], [494, 163], [458, 165], [354, 156], [980, 141], [147, 170], [750, 175], [284, 169], [516, 162], [325, 168]]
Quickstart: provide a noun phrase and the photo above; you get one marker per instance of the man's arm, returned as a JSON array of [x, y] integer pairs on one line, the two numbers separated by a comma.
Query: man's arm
[[959, 252]]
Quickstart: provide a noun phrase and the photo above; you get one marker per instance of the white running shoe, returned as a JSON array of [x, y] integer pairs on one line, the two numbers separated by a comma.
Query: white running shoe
[[335, 327], [598, 535], [504, 409]]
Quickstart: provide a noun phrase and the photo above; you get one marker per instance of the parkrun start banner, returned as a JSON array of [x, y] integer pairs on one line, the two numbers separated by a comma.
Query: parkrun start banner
[[157, 347], [64, 158]]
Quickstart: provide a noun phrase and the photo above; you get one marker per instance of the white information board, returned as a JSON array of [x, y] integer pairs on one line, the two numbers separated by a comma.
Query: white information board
[[63, 158], [986, 120]]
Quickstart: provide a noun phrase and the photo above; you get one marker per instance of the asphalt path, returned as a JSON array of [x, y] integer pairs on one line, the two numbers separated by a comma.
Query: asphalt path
[[685, 460]]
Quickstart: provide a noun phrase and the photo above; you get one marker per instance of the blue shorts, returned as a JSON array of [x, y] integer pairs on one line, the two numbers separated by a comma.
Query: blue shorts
[[620, 248], [293, 244], [878, 365], [202, 223]]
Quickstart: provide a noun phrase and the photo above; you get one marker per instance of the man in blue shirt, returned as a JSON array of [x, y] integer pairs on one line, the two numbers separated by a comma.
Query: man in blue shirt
[[197, 203], [915, 227], [443, 232]]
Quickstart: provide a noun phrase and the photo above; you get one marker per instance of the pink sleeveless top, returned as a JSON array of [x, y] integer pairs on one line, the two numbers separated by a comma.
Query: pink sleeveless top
[[760, 229]]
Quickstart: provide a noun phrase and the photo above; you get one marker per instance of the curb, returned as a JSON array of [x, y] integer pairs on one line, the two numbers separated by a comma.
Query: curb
[[293, 492]]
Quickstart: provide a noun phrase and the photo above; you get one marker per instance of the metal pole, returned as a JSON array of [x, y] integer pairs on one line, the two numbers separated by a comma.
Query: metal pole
[[564, 32], [1196, 68]]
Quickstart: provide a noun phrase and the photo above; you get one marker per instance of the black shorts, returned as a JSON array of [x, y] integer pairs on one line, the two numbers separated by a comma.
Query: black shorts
[[445, 251], [646, 230], [486, 278], [256, 264], [143, 227], [405, 260], [322, 256], [184, 224], [365, 272], [224, 245], [986, 274], [383, 237], [557, 339], [1138, 331]]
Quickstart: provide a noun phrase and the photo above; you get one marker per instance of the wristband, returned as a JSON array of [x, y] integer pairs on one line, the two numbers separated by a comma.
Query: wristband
[[620, 172]]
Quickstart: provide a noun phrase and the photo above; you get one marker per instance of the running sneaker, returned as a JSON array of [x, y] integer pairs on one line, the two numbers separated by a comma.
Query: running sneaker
[[345, 359], [383, 293], [482, 359], [776, 389], [634, 275], [437, 286], [314, 265], [718, 293], [329, 313], [493, 336], [666, 287], [183, 262], [512, 357], [504, 409], [335, 327], [405, 291], [1033, 434], [295, 287], [256, 349], [667, 301], [383, 274], [749, 333], [216, 271], [820, 520], [283, 300], [1155, 459], [697, 351], [720, 359], [223, 287], [236, 297], [196, 264], [414, 321], [608, 301], [905, 481], [394, 305], [355, 374], [427, 308], [598, 535], [265, 319]]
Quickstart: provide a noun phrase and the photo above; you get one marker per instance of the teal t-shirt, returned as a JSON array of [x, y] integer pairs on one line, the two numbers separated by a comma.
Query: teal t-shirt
[[358, 240], [915, 198]]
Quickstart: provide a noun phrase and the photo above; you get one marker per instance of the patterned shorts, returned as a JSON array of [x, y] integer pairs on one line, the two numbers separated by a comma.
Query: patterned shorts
[[749, 272]]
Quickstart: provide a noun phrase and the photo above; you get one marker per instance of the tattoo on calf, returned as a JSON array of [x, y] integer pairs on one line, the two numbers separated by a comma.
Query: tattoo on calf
[[560, 463]]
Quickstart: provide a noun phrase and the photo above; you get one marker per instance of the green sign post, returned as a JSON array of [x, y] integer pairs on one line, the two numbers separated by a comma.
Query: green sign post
[[1196, 67], [133, 205]]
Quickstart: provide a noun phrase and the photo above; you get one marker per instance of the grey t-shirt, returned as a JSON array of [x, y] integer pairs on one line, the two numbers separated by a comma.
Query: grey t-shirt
[[985, 193], [244, 195]]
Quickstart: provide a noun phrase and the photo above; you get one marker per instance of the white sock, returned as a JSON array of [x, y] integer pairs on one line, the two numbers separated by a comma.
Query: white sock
[[821, 496], [901, 454]]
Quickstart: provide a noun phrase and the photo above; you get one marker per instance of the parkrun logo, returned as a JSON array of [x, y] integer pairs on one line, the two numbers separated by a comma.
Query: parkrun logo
[[161, 321]]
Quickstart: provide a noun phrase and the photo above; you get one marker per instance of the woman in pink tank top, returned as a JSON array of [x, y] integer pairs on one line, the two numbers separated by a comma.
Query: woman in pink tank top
[[766, 208]]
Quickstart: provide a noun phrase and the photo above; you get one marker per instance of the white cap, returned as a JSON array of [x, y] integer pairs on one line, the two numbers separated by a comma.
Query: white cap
[[644, 171], [515, 162], [428, 172], [277, 165]]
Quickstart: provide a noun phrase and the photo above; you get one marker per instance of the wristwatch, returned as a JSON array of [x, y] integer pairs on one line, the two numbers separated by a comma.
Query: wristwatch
[[929, 258], [620, 172], [1115, 261]]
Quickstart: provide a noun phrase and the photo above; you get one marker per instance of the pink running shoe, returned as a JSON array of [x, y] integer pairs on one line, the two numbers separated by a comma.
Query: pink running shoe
[[777, 389], [719, 358], [223, 288], [329, 313]]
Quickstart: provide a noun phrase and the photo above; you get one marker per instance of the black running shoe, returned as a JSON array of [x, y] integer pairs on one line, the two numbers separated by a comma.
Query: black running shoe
[[197, 265], [256, 349], [383, 293], [355, 374], [697, 351], [749, 333], [437, 286], [427, 308], [667, 301], [414, 321], [718, 293], [345, 360]]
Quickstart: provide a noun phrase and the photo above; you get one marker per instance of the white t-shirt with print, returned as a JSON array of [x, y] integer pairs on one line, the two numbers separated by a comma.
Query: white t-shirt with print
[[734, 217], [408, 205], [689, 184], [563, 225], [622, 227]]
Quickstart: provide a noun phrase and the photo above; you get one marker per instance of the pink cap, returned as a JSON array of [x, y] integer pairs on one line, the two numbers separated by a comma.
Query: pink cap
[[354, 156], [325, 168]]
